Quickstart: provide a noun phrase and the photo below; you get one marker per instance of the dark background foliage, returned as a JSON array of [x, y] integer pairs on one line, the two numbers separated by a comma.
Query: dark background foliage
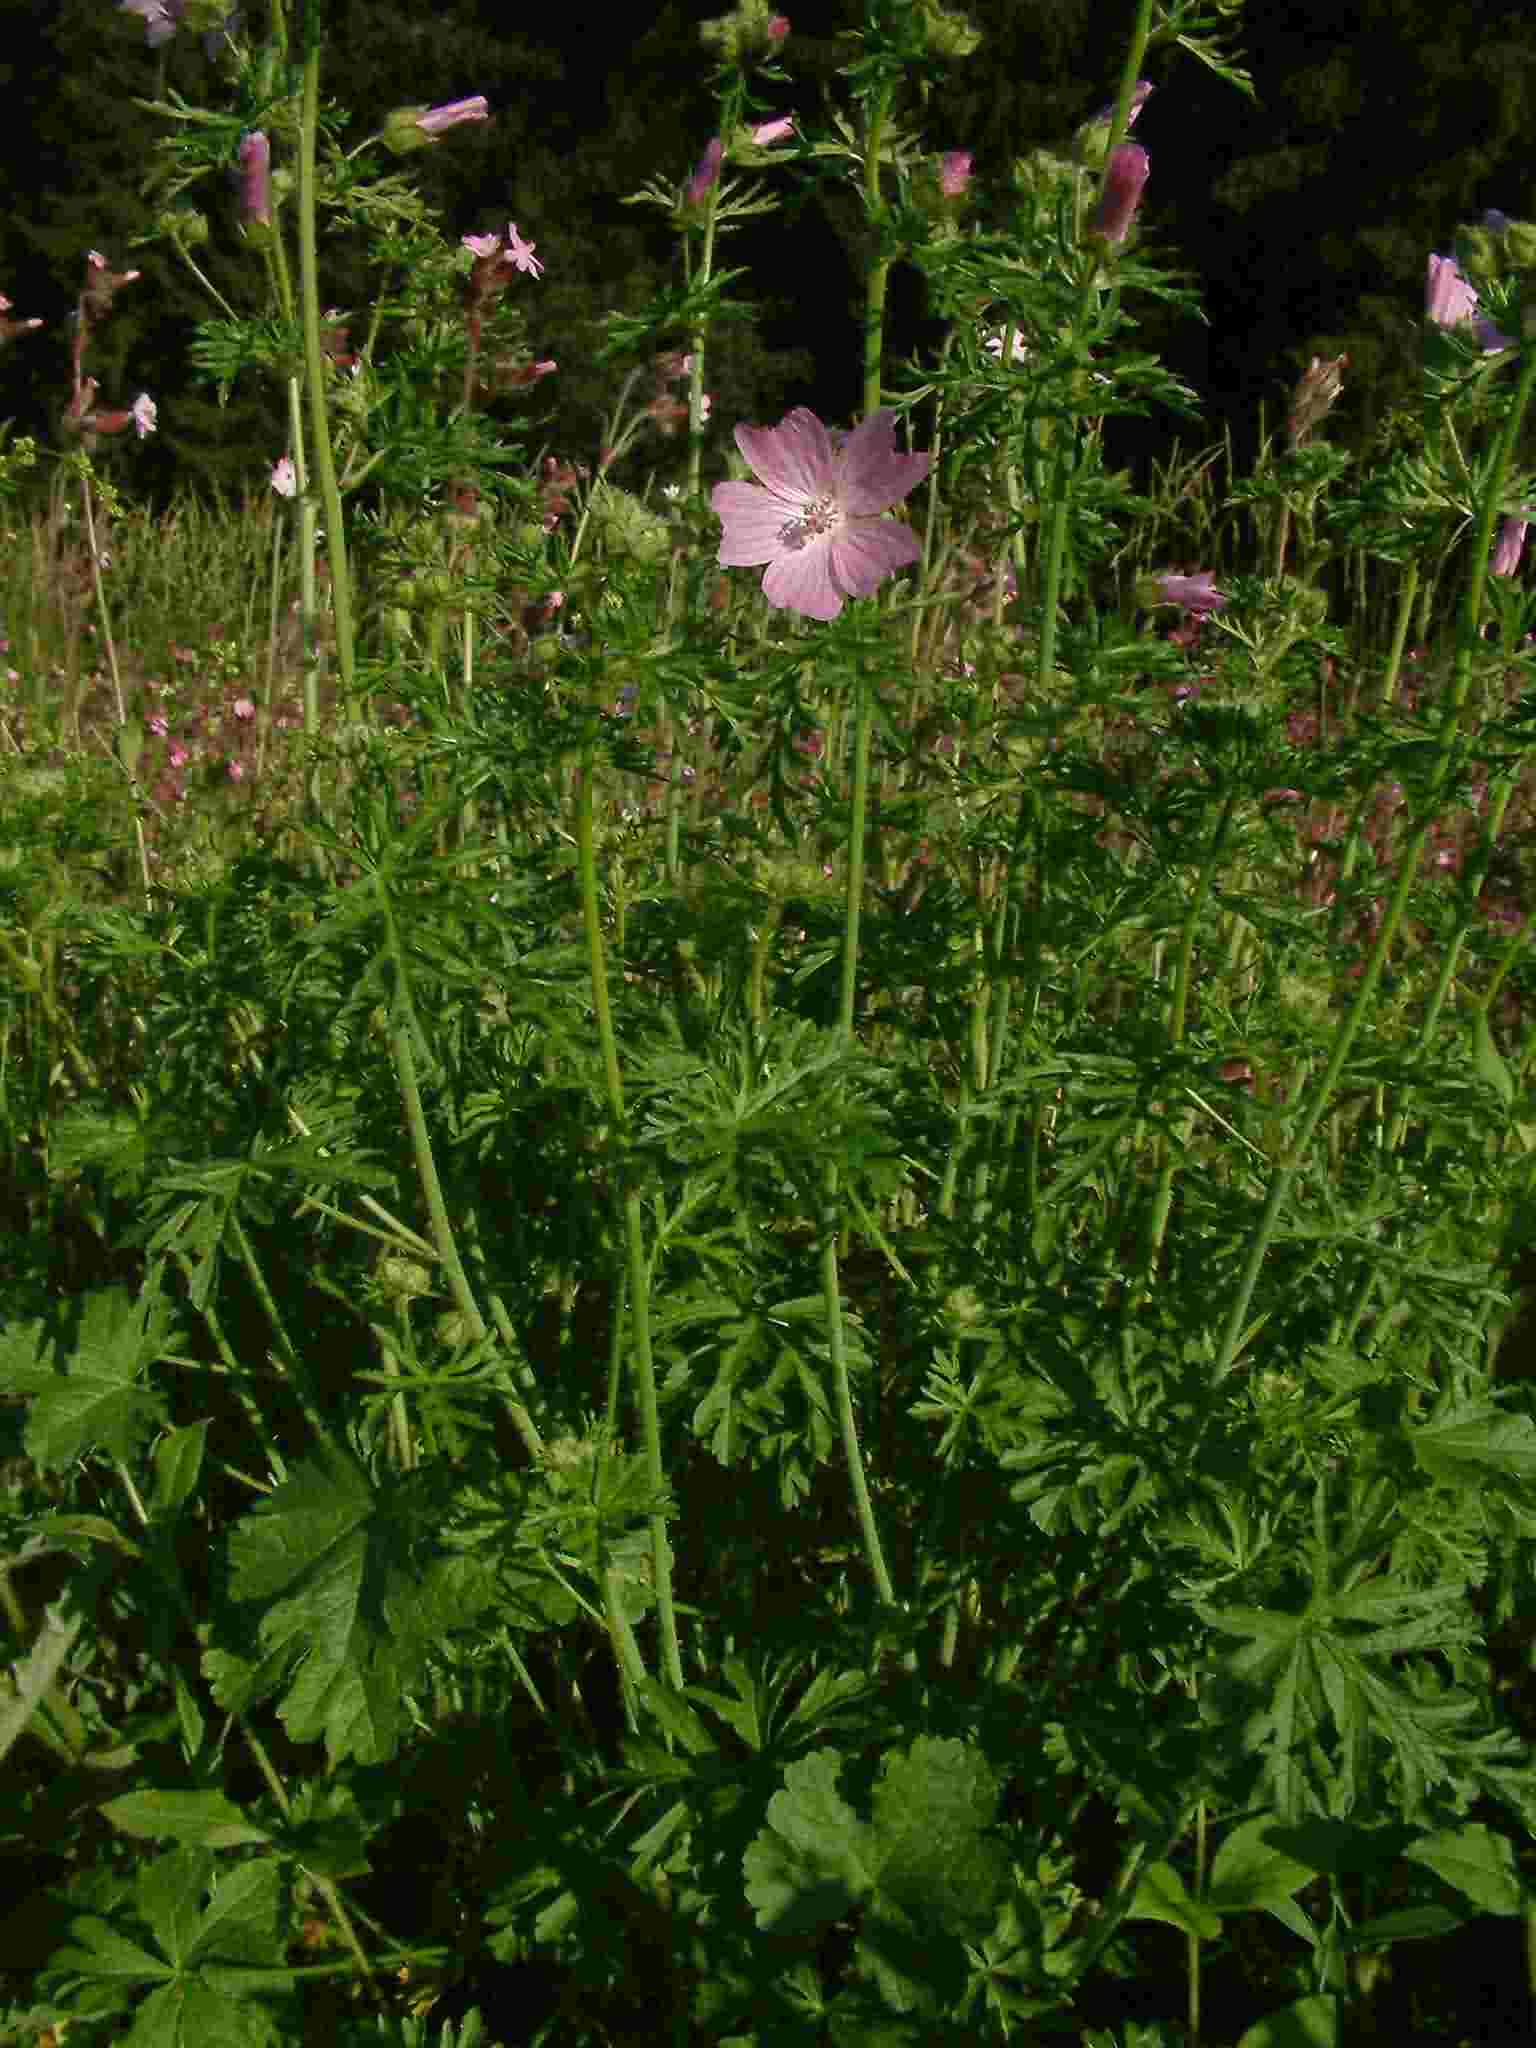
[[1306, 216]]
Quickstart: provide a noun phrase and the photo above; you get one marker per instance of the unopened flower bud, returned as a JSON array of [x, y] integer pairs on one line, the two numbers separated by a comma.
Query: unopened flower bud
[[706, 175], [1315, 396], [752, 32], [412, 128], [1091, 143], [402, 1279], [1127, 174], [255, 180], [183, 225], [948, 34]]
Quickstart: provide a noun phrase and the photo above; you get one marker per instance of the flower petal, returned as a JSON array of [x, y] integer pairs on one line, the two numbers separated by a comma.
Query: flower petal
[[871, 475], [794, 459], [866, 551], [802, 582], [752, 519]]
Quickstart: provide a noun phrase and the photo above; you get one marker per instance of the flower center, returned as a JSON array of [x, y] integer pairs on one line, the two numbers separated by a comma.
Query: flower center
[[818, 516]]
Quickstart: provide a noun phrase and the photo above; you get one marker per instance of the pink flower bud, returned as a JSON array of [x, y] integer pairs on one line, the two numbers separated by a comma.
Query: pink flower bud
[[1506, 556], [778, 28], [768, 132], [255, 179], [436, 119], [1448, 299], [706, 175], [1128, 171], [284, 477]]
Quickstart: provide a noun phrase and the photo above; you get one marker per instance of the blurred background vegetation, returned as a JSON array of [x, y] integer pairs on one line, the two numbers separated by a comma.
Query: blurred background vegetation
[[1306, 217]]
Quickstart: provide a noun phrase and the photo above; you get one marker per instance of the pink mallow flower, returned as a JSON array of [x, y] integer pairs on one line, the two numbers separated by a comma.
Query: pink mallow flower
[[815, 518], [1196, 593], [955, 172], [1128, 171]]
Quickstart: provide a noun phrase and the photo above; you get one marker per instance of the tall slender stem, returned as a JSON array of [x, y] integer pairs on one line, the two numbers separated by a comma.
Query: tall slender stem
[[634, 1233], [831, 1281], [1471, 621], [314, 363]]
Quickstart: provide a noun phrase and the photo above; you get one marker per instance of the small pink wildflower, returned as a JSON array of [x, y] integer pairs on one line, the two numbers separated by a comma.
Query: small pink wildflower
[[145, 413], [955, 172], [159, 724], [1018, 353], [285, 478], [778, 28], [243, 708], [816, 517], [520, 253], [496, 257], [237, 771], [768, 132], [179, 755]]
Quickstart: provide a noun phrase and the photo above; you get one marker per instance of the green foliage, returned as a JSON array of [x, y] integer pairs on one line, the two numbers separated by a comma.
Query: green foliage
[[628, 1416]]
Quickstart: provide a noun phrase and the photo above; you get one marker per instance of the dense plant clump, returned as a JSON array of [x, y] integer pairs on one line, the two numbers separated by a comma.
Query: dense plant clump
[[761, 1275]]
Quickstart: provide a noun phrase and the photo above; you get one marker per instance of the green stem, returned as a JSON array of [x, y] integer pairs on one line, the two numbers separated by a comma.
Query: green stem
[[1162, 1201], [1471, 622], [880, 269], [831, 1283], [314, 363], [639, 1268], [698, 337]]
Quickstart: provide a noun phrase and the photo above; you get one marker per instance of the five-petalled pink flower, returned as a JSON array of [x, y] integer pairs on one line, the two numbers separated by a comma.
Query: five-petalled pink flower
[[815, 518]]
